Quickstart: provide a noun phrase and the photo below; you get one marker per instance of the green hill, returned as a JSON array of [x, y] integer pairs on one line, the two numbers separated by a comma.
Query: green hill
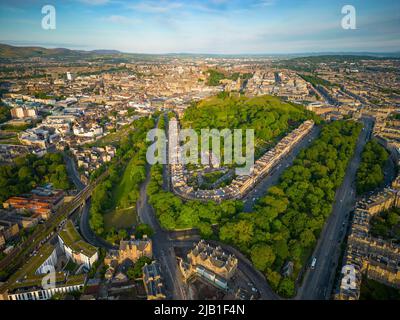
[[13, 52], [8, 52], [269, 116]]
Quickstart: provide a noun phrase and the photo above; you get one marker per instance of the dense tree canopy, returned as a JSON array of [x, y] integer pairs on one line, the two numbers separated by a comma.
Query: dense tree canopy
[[216, 76], [370, 173], [270, 117], [31, 171], [288, 220], [316, 81], [5, 113]]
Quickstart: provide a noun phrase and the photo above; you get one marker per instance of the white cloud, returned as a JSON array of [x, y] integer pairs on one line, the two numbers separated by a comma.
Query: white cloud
[[95, 2], [265, 3], [122, 20], [156, 6]]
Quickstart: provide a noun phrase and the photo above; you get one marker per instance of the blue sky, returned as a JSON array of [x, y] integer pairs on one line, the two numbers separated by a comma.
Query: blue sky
[[204, 26]]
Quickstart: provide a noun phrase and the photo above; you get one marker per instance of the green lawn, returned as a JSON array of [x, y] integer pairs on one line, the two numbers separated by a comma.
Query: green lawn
[[120, 219], [126, 192], [111, 138], [125, 195]]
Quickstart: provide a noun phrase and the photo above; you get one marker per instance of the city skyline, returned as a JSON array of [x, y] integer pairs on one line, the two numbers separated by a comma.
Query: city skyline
[[189, 150], [204, 27]]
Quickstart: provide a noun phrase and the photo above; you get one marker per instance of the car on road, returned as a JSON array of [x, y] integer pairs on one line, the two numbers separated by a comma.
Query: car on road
[[313, 263]]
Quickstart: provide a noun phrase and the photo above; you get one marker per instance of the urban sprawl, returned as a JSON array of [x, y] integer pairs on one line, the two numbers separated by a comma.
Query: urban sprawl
[[72, 115]]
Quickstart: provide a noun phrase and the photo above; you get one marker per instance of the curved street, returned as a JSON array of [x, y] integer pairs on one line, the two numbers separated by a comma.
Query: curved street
[[87, 233], [73, 172]]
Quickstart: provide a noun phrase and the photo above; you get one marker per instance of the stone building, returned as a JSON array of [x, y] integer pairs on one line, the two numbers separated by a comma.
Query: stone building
[[210, 263], [131, 250], [376, 258]]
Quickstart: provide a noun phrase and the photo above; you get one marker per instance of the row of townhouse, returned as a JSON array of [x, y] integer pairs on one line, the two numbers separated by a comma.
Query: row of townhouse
[[243, 183], [376, 258]]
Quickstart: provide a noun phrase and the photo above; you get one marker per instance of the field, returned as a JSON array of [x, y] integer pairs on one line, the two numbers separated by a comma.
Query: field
[[126, 192], [111, 138], [125, 195], [120, 219]]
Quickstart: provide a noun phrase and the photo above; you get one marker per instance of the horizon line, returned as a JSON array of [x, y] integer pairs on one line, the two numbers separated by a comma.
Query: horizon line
[[72, 48]]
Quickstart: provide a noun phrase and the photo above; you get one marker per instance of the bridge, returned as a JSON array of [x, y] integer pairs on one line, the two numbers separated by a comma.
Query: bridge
[[21, 253]]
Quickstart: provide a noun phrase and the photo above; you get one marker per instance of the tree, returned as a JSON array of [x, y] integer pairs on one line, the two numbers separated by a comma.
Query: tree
[[25, 174], [393, 218], [30, 171], [273, 278], [240, 233], [370, 173], [262, 256], [307, 238], [136, 271], [143, 229], [286, 288], [122, 234], [281, 249]]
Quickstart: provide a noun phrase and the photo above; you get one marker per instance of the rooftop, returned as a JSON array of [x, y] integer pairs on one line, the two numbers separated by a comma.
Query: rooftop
[[72, 239]]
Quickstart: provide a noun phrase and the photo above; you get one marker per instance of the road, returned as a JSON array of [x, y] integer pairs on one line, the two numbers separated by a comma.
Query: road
[[272, 179], [317, 284], [324, 93], [88, 234], [73, 172], [163, 249]]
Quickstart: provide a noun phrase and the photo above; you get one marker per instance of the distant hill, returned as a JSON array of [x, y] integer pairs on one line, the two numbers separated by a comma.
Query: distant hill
[[105, 52], [9, 52], [345, 57]]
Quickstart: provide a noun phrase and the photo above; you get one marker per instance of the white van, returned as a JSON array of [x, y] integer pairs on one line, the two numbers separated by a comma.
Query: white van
[[313, 263]]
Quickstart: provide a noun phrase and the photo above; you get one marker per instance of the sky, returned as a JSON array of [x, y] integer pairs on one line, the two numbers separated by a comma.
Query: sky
[[204, 26]]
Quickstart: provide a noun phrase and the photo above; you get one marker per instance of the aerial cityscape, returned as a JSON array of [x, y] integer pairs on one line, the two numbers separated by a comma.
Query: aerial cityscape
[[158, 150]]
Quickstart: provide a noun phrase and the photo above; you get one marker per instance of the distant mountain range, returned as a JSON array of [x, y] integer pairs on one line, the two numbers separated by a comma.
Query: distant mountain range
[[10, 52]]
